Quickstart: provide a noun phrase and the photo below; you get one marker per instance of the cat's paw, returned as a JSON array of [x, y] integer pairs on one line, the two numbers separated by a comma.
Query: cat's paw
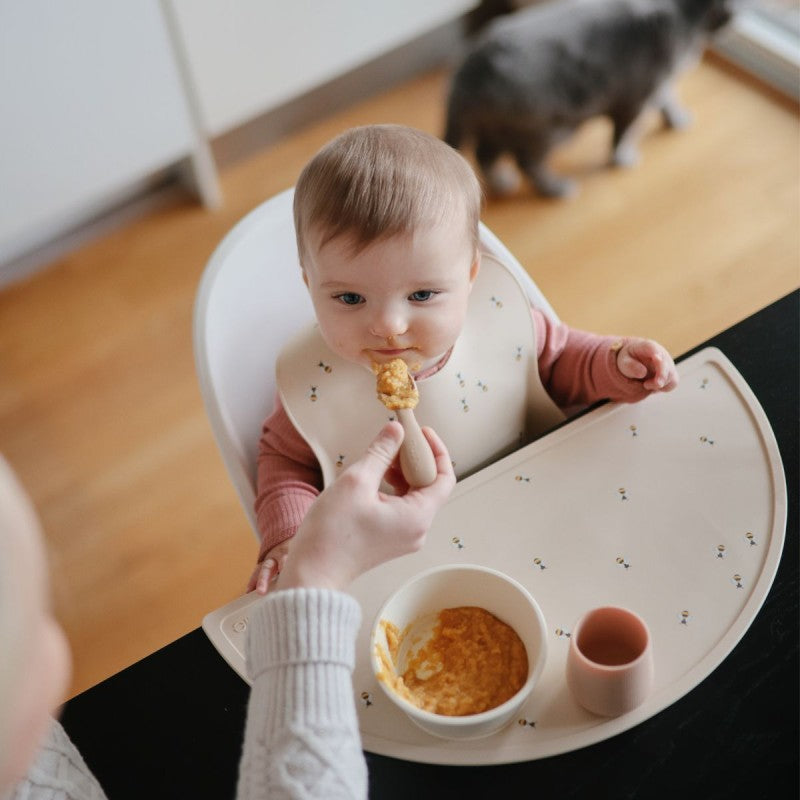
[[626, 155], [549, 185], [503, 179], [677, 118]]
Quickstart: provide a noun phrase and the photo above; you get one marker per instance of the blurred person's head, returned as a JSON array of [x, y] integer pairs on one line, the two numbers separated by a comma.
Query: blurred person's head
[[34, 656]]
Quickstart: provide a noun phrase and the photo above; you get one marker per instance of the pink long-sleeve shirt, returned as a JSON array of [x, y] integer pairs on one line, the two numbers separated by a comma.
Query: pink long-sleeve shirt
[[576, 368]]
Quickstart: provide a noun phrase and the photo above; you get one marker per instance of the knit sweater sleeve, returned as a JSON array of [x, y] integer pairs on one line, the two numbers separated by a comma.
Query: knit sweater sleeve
[[58, 772], [580, 368], [288, 479], [301, 738]]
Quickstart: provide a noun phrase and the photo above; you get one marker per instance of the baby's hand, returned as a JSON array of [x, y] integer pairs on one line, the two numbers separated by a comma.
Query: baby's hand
[[647, 361], [268, 568]]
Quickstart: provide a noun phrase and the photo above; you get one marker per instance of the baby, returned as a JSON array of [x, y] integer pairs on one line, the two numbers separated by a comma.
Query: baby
[[387, 233]]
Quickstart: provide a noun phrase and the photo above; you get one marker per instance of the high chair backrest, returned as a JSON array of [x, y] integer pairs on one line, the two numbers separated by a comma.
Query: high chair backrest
[[251, 299]]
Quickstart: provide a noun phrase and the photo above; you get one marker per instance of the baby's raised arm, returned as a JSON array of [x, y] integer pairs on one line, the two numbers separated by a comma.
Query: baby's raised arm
[[579, 367]]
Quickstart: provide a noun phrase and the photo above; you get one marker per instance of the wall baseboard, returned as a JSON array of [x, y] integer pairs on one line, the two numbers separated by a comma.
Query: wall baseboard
[[145, 197]]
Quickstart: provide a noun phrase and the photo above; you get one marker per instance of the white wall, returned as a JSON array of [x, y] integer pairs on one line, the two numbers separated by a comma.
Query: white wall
[[96, 96], [247, 56], [90, 102]]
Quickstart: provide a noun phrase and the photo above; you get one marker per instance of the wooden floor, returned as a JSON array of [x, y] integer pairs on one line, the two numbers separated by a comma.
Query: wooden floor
[[100, 411]]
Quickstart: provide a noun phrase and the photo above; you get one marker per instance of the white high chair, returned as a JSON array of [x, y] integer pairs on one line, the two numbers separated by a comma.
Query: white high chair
[[251, 299]]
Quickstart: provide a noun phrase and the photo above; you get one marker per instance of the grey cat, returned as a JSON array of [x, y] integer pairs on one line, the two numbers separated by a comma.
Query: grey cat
[[535, 75]]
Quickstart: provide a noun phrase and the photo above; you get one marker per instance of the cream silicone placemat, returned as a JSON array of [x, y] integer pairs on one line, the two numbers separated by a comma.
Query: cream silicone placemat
[[674, 507]]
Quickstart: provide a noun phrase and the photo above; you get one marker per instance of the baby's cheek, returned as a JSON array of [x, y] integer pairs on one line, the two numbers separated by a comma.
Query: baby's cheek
[[443, 334], [340, 344]]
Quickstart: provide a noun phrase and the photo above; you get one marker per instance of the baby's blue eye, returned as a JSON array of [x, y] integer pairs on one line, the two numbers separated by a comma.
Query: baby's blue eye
[[350, 298], [422, 295]]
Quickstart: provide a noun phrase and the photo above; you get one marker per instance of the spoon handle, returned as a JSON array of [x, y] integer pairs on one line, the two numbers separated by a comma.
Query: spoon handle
[[416, 456]]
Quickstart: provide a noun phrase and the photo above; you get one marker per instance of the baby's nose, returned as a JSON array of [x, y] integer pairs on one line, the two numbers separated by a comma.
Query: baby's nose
[[388, 323]]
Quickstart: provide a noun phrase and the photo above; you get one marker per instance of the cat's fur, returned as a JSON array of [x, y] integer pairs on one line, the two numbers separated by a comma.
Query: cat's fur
[[535, 75]]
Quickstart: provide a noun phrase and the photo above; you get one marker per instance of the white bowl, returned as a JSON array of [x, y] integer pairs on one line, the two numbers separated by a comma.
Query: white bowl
[[451, 586]]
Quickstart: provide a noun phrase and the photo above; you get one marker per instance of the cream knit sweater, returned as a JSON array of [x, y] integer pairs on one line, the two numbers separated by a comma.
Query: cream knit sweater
[[59, 772], [301, 739]]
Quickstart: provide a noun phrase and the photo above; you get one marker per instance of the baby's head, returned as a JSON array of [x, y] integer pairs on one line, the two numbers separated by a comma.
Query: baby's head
[[387, 233]]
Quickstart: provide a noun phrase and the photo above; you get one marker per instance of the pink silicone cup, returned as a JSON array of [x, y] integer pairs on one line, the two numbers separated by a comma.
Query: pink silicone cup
[[610, 662]]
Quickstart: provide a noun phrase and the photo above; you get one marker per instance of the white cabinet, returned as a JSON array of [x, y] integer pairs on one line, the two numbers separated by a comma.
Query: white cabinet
[[90, 102], [249, 56], [98, 95]]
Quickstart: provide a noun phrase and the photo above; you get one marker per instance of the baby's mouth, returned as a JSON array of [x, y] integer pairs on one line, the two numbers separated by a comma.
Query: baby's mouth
[[391, 352]]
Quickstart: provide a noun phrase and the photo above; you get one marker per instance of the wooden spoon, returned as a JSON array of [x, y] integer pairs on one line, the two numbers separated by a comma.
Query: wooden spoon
[[397, 390], [416, 457]]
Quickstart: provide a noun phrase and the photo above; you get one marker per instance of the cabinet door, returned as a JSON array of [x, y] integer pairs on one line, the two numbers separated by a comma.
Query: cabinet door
[[90, 104], [249, 56]]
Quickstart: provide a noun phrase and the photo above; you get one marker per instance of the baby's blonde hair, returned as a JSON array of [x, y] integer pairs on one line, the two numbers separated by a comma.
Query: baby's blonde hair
[[378, 181]]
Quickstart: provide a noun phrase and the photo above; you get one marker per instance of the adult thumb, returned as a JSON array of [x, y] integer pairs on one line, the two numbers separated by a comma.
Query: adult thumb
[[383, 449]]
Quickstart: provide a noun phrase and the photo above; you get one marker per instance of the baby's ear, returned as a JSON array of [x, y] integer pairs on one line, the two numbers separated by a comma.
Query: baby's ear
[[475, 268]]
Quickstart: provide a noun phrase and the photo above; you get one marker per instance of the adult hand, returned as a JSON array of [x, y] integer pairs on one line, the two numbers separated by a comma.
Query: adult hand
[[353, 526]]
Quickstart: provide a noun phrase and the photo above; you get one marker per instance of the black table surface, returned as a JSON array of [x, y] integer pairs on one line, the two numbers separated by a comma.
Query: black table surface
[[171, 725]]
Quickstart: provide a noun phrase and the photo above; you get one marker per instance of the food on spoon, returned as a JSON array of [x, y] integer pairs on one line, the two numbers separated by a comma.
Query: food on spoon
[[396, 390]]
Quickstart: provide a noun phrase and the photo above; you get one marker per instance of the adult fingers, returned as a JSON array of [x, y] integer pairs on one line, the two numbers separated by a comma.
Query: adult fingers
[[444, 466], [381, 452], [445, 480], [395, 478]]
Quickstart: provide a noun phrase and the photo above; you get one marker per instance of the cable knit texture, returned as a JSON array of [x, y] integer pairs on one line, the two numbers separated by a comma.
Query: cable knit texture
[[302, 739], [59, 772]]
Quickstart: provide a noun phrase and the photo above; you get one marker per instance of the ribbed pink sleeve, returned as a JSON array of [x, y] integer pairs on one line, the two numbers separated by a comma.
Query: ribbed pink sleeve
[[580, 368], [288, 479]]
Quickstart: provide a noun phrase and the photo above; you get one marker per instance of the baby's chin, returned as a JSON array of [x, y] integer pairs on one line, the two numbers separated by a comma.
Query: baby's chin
[[416, 361], [427, 364]]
